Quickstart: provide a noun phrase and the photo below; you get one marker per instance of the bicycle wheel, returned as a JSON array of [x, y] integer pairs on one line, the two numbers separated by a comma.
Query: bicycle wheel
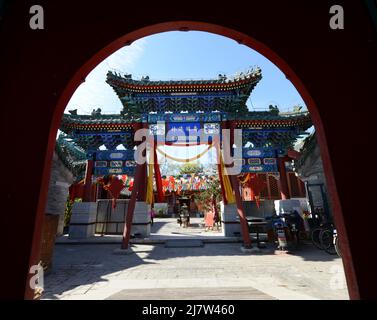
[[315, 238], [326, 239], [337, 246]]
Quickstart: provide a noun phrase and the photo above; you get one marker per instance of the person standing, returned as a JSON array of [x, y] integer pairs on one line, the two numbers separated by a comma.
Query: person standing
[[152, 214], [209, 219]]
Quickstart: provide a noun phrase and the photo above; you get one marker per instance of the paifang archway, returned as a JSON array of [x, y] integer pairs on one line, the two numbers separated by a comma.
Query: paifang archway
[[83, 25], [181, 114]]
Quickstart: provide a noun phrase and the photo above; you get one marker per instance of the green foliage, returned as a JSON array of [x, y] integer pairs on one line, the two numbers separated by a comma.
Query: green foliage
[[68, 210], [204, 198], [191, 168]]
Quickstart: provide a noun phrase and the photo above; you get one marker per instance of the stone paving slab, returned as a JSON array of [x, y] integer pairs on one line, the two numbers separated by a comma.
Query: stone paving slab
[[94, 272], [226, 293], [156, 239], [163, 229]]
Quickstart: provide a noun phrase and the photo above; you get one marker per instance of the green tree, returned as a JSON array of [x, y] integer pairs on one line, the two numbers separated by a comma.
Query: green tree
[[210, 196], [191, 168]]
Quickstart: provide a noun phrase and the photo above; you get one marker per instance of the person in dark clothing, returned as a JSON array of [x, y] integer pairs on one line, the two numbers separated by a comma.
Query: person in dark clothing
[[152, 214]]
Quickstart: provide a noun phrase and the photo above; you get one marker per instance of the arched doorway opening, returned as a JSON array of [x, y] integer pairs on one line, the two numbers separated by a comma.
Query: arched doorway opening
[[241, 38]]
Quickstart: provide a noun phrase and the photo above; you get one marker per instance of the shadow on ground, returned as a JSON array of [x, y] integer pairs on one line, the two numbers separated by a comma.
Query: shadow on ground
[[91, 265]]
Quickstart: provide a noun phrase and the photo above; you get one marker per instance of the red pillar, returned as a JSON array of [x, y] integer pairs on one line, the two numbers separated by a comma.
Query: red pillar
[[131, 206], [157, 175], [143, 182], [241, 212], [138, 192], [283, 181], [98, 191], [236, 189], [88, 181]]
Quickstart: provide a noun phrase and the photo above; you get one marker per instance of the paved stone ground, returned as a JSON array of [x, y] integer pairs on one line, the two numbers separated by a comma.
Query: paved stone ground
[[162, 229], [226, 293], [169, 228], [93, 271], [215, 271]]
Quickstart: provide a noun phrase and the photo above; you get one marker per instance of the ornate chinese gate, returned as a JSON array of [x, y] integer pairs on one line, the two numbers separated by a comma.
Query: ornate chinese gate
[[185, 113]]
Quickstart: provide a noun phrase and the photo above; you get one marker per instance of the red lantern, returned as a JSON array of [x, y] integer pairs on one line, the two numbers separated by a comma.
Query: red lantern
[[257, 185], [115, 186]]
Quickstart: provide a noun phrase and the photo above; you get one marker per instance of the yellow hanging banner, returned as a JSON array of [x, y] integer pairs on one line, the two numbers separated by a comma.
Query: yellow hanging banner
[[149, 196], [227, 186]]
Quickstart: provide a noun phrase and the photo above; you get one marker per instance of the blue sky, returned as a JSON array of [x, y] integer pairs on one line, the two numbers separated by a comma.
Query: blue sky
[[184, 55]]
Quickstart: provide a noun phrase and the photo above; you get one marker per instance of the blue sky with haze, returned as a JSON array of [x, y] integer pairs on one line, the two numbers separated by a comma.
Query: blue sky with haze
[[184, 55]]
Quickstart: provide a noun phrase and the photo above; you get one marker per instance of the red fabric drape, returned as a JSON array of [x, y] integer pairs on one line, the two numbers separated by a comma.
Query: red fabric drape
[[219, 169], [256, 185], [114, 187], [76, 190], [157, 174]]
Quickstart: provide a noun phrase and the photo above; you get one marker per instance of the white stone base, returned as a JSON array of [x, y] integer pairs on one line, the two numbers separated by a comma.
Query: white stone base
[[117, 217], [141, 220], [83, 219], [230, 220]]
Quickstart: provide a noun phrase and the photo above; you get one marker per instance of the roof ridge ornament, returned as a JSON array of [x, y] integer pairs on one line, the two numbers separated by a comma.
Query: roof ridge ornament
[[96, 113]]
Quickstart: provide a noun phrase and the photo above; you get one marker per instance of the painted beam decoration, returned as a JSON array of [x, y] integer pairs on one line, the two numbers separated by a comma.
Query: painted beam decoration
[[117, 162], [181, 117], [178, 106], [178, 127], [259, 160], [180, 131]]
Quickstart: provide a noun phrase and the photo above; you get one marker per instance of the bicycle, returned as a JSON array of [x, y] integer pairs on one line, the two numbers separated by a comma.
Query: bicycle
[[321, 223], [323, 238], [316, 234], [327, 241]]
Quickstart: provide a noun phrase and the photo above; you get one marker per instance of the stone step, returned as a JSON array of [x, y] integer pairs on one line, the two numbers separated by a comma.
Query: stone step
[[184, 243]]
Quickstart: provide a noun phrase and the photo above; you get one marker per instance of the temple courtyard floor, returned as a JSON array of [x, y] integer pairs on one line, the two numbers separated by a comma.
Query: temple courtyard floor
[[215, 270]]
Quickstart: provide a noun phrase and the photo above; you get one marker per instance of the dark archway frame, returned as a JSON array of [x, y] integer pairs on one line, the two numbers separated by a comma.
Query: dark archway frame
[[338, 68], [240, 38]]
